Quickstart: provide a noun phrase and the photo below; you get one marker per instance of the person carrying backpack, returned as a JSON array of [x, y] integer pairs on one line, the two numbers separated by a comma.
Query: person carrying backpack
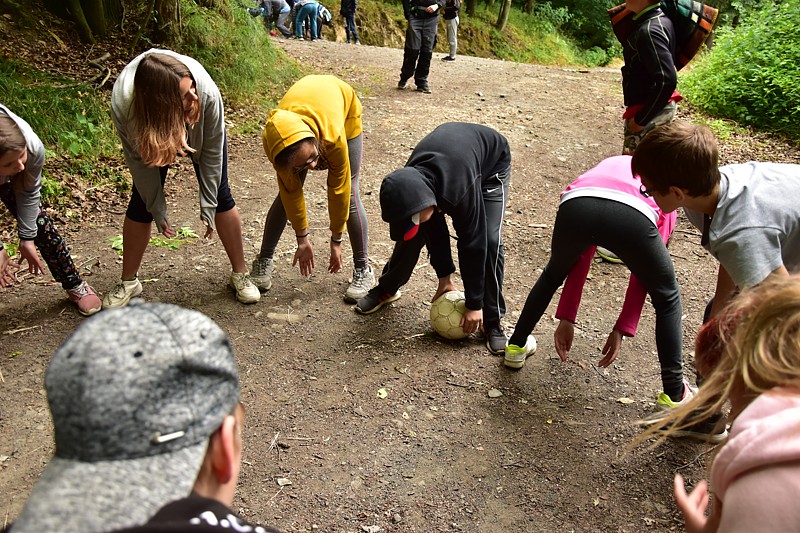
[[649, 76]]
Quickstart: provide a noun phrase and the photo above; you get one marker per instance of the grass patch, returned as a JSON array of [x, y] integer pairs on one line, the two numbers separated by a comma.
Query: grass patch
[[182, 236], [238, 53], [69, 117]]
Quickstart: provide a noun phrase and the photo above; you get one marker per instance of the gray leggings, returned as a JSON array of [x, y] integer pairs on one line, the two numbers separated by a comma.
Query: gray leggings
[[587, 221], [356, 221]]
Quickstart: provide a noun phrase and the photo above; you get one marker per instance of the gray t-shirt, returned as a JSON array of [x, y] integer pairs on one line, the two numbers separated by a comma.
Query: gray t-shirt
[[756, 226], [27, 193]]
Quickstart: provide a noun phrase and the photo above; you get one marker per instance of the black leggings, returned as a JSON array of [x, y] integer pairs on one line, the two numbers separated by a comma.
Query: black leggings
[[588, 221]]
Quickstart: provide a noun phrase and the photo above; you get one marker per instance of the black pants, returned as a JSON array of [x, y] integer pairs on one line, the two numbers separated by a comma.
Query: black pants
[[405, 255], [587, 221], [137, 209], [418, 50]]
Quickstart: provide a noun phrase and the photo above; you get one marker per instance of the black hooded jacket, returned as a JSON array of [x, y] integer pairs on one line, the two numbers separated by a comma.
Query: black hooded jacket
[[447, 169], [649, 76]]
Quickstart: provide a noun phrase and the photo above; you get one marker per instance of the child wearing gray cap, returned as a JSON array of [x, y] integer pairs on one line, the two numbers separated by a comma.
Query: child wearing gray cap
[[144, 399]]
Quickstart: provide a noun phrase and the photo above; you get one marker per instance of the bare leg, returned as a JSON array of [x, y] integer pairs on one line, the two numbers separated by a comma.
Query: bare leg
[[229, 227], [135, 236]]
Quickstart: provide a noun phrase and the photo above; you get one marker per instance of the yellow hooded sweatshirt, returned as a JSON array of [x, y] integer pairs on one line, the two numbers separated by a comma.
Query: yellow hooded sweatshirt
[[328, 109]]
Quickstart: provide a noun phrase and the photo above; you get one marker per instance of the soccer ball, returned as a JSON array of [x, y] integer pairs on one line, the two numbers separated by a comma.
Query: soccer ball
[[446, 313]]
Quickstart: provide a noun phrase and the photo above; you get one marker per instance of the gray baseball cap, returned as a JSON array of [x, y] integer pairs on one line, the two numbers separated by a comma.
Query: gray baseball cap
[[135, 393]]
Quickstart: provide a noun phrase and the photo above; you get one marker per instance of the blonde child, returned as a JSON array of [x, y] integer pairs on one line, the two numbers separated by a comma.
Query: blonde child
[[750, 354]]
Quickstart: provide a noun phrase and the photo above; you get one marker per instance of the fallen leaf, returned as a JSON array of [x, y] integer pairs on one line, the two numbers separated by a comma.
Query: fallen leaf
[[494, 393]]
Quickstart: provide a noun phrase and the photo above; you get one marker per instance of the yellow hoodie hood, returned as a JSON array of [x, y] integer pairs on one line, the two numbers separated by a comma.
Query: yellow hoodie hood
[[284, 128]]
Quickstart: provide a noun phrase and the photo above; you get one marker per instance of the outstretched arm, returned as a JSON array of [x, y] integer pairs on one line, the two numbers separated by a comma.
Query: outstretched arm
[[693, 506], [570, 299], [6, 277]]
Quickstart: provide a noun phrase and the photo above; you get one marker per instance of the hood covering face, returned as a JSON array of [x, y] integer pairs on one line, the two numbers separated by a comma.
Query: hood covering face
[[284, 128], [404, 193]]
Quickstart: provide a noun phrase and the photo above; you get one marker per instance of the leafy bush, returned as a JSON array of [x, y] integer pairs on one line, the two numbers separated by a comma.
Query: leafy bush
[[72, 117], [238, 54], [751, 74], [588, 24]]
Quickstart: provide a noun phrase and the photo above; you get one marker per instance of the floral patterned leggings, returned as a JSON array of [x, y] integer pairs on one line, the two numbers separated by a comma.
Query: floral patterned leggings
[[49, 242]]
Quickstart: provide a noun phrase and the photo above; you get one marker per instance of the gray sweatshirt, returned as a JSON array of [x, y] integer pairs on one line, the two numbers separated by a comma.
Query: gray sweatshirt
[[207, 138], [28, 195]]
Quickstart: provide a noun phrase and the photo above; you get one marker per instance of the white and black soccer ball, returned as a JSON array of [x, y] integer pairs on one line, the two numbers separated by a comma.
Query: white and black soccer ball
[[446, 314]]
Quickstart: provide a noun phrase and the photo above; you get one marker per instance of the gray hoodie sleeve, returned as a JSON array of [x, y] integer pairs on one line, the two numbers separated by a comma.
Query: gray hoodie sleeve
[[207, 138], [28, 195], [28, 183]]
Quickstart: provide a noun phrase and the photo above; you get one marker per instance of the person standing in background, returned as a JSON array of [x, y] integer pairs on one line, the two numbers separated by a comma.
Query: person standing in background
[[348, 12], [451, 8], [423, 20]]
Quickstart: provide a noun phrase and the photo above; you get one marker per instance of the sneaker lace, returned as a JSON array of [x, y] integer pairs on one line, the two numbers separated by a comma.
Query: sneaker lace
[[261, 267], [359, 277], [241, 281], [81, 290], [119, 290]]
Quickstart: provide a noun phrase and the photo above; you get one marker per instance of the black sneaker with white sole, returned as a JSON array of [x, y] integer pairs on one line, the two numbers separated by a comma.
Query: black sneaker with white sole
[[496, 339], [374, 300], [713, 429]]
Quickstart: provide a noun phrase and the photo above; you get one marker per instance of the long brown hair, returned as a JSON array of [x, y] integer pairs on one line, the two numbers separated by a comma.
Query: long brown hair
[[11, 137], [158, 109]]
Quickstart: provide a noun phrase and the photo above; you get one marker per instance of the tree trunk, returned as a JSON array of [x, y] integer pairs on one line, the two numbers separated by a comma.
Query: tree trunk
[[490, 3], [84, 31], [502, 20], [167, 21], [529, 5], [92, 18], [114, 12], [95, 16], [471, 5]]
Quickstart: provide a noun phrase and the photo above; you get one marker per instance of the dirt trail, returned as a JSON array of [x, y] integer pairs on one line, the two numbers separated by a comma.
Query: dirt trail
[[437, 454]]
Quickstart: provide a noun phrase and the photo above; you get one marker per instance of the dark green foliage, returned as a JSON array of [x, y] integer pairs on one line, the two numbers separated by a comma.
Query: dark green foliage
[[71, 117], [237, 53], [588, 23], [751, 74]]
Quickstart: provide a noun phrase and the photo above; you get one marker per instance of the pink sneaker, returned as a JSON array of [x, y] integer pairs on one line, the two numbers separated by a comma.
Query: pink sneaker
[[85, 299]]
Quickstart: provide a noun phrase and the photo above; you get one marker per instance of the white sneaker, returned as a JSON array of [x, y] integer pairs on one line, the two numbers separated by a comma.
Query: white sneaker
[[516, 355], [363, 281], [122, 293], [261, 273], [665, 403], [246, 290]]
